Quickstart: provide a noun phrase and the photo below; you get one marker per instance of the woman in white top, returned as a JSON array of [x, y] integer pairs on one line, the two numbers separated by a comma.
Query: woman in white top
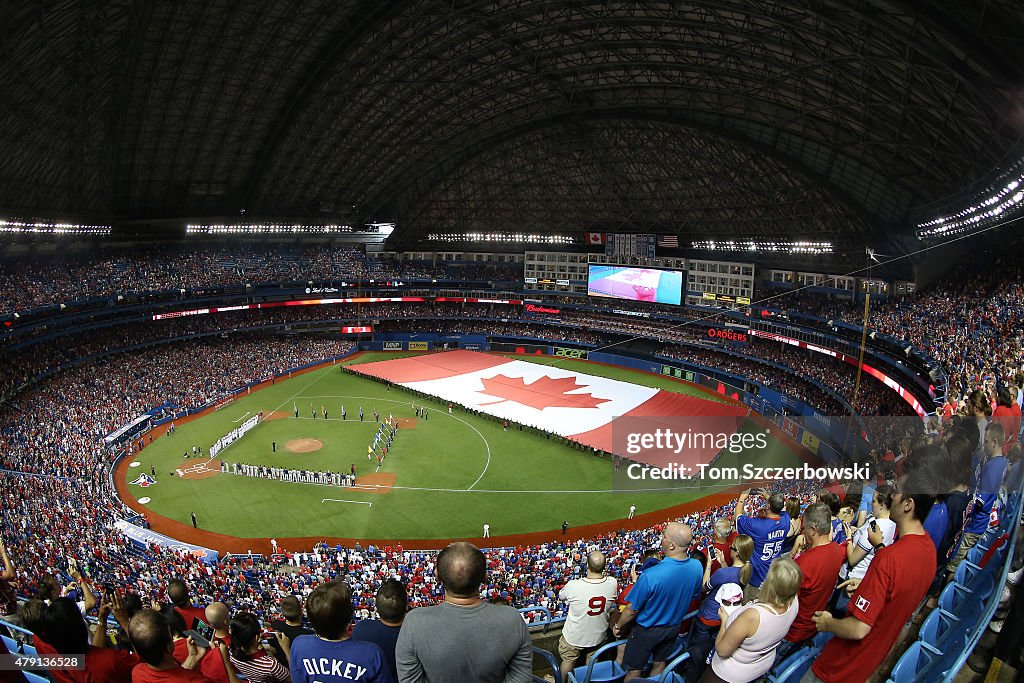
[[861, 550], [746, 643]]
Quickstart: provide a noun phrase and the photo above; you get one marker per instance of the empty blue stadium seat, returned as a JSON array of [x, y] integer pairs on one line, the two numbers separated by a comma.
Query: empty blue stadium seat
[[918, 657], [28, 650], [669, 675], [976, 552], [980, 581], [953, 596], [819, 640], [34, 677], [939, 627], [794, 667], [552, 661], [596, 671], [12, 645]]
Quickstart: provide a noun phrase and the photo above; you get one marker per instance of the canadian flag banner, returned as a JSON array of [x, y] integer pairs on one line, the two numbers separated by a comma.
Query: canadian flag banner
[[595, 238], [558, 400]]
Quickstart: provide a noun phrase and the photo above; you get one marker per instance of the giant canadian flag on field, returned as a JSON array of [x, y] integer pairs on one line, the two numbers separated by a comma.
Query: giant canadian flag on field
[[561, 401]]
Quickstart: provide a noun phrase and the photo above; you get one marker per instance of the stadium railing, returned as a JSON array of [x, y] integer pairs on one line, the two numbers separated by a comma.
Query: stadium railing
[[546, 623], [14, 646]]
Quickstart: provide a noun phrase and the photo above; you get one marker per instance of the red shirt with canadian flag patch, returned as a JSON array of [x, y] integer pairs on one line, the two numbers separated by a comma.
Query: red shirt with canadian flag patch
[[894, 586]]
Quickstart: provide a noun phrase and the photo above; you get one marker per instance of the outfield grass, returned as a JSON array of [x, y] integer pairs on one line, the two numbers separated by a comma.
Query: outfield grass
[[452, 473]]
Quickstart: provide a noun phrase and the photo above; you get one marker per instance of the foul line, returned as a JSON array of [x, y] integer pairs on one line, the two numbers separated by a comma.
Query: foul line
[[333, 419], [374, 487], [241, 418], [338, 500], [296, 394]]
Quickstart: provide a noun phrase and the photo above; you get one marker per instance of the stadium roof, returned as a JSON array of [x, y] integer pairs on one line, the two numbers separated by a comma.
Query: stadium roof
[[770, 117]]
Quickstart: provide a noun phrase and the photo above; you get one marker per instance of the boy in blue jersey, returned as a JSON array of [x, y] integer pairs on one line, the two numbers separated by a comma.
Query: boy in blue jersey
[[986, 493], [769, 533], [331, 656]]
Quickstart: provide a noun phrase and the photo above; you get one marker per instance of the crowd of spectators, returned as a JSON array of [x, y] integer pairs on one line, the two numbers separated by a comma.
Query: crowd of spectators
[[30, 282], [970, 321], [872, 397], [57, 503], [57, 426]]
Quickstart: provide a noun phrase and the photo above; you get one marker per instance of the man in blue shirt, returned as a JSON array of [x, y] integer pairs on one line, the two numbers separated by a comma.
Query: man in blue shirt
[[659, 601], [392, 602], [990, 479], [330, 656], [769, 533]]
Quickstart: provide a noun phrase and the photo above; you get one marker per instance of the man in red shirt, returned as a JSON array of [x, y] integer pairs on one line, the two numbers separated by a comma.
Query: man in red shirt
[[722, 540], [949, 408], [819, 560], [1005, 415], [218, 617], [896, 583], [151, 637], [177, 626], [177, 591], [66, 633]]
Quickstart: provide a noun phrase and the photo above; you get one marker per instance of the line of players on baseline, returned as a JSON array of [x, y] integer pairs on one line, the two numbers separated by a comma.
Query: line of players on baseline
[[384, 437], [290, 475]]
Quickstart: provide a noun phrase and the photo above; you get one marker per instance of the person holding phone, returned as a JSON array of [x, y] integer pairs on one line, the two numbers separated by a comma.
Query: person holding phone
[[705, 626], [219, 619], [252, 660], [880, 531], [66, 632], [819, 559], [769, 534], [151, 638]]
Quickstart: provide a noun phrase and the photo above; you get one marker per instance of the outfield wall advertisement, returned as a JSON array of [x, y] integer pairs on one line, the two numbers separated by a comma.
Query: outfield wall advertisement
[[565, 352]]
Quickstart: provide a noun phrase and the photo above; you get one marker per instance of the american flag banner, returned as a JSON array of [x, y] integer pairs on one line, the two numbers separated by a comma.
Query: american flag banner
[[668, 241]]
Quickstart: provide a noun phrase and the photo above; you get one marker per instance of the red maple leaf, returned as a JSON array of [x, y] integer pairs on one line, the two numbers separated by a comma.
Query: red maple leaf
[[545, 392]]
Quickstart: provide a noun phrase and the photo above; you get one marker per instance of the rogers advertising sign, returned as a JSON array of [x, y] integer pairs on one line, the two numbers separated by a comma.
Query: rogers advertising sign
[[727, 335], [534, 308]]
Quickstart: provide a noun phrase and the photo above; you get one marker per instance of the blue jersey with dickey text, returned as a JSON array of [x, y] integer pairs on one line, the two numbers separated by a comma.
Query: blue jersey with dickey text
[[329, 661]]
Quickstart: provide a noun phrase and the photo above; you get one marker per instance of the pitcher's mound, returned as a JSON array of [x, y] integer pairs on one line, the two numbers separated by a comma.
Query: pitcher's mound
[[378, 482], [304, 445]]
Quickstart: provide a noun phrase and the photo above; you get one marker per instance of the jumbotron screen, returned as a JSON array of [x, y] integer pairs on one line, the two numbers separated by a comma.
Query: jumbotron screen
[[636, 284]]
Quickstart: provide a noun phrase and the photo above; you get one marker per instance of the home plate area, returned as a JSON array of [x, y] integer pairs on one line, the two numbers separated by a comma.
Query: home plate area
[[378, 482], [198, 469], [571, 404]]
